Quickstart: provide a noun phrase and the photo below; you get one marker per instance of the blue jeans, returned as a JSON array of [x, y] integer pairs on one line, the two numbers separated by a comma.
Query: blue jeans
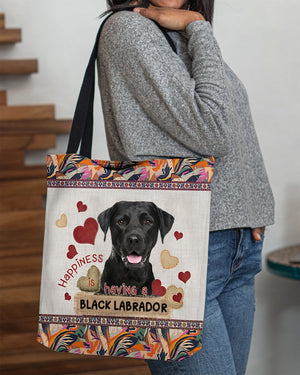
[[234, 258]]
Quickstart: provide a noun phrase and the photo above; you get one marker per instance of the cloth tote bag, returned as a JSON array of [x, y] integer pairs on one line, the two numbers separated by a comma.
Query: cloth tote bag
[[125, 249]]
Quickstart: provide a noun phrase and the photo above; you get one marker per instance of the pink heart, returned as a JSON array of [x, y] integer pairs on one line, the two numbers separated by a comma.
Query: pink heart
[[87, 232], [158, 289], [72, 252], [178, 235], [184, 276], [67, 297], [81, 207]]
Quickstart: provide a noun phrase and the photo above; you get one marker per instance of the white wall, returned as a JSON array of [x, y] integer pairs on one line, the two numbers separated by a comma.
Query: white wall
[[260, 41]]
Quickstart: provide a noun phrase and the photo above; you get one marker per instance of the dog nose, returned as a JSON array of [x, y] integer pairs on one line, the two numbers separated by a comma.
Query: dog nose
[[133, 242]]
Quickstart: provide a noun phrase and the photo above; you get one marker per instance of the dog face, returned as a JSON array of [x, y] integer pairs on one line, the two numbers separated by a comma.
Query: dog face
[[134, 229]]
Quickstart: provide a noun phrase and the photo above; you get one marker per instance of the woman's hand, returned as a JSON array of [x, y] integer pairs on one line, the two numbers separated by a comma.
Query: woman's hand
[[256, 233], [170, 18]]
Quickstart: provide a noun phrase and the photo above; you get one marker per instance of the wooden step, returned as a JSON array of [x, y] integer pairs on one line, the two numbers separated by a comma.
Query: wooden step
[[8, 36], [44, 361], [16, 203], [32, 358], [12, 241], [21, 266], [67, 366], [23, 188], [34, 126], [28, 66], [24, 173], [17, 249], [13, 343], [10, 143], [22, 295], [14, 160], [2, 21], [29, 112], [13, 280], [25, 310], [26, 324], [22, 239], [27, 220], [3, 97]]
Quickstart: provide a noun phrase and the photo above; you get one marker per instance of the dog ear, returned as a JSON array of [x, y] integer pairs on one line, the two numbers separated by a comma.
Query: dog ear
[[103, 220], [165, 222]]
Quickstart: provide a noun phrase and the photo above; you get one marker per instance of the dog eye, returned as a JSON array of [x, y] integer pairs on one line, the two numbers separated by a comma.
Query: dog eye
[[121, 221], [147, 222]]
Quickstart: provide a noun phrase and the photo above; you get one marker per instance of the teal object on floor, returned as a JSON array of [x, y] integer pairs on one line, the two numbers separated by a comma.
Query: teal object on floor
[[285, 262]]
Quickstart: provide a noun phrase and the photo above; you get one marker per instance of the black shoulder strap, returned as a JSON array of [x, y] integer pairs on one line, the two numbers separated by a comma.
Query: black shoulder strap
[[82, 125]]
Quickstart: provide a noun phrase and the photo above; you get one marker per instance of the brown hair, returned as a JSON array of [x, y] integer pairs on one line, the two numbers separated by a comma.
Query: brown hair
[[205, 7]]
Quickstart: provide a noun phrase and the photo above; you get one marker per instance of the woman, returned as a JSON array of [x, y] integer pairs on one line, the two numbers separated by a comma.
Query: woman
[[160, 104]]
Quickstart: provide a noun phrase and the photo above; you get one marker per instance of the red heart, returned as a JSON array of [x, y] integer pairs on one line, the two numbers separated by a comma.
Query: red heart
[[67, 297], [177, 297], [87, 233], [81, 207], [158, 289], [184, 276], [178, 235], [72, 252]]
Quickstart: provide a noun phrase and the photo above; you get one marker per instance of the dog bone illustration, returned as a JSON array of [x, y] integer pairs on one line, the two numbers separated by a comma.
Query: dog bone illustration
[[167, 260], [91, 282], [62, 221], [174, 297]]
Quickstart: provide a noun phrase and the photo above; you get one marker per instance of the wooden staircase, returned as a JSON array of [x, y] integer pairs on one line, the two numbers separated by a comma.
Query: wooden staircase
[[22, 196]]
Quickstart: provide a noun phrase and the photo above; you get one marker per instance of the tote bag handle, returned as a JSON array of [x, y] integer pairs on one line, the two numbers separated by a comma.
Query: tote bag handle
[[82, 125]]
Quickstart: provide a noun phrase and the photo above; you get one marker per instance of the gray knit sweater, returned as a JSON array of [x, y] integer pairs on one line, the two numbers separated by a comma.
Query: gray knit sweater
[[158, 104]]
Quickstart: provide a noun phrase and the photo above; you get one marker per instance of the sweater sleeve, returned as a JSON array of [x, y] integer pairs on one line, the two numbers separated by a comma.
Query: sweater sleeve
[[191, 109]]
